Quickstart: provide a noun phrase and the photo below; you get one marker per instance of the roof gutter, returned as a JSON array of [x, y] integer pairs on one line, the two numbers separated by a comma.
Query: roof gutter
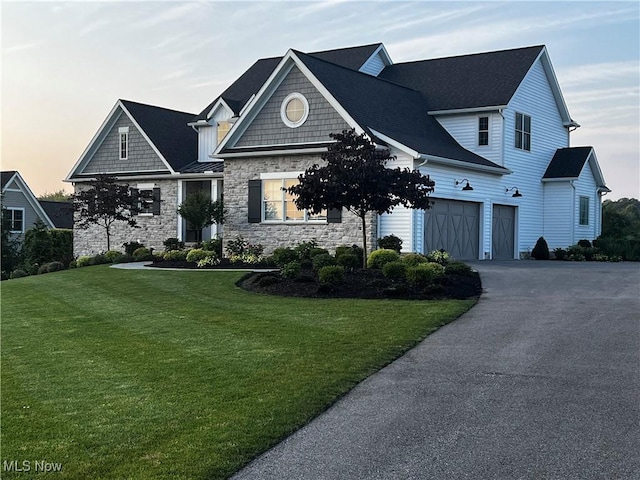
[[460, 164], [491, 108]]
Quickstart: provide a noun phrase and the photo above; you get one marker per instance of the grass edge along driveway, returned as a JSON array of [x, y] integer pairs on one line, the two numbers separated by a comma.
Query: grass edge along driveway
[[153, 374]]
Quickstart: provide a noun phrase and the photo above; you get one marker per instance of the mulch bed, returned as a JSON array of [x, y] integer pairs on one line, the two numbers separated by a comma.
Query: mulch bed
[[367, 283]]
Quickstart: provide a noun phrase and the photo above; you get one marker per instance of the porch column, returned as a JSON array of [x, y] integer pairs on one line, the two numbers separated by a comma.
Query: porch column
[[180, 225]]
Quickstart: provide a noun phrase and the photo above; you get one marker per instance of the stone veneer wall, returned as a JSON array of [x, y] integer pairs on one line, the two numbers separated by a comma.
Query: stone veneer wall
[[152, 232], [238, 172]]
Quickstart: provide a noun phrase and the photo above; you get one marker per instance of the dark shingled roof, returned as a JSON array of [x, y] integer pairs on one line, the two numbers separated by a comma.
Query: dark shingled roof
[[168, 130], [240, 91], [201, 167], [391, 109], [467, 81], [6, 176], [60, 213], [567, 162]]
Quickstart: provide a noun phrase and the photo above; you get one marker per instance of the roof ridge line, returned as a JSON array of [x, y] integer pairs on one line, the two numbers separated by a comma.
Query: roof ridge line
[[156, 106], [469, 54]]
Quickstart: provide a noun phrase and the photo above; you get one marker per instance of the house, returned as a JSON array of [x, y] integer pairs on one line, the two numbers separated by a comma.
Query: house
[[60, 213], [492, 129], [21, 206]]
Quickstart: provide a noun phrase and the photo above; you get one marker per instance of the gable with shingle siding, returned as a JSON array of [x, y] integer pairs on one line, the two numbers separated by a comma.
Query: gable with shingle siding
[[268, 129], [141, 158]]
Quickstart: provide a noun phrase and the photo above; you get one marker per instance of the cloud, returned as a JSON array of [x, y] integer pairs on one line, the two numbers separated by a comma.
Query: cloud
[[598, 73], [21, 47], [172, 14]]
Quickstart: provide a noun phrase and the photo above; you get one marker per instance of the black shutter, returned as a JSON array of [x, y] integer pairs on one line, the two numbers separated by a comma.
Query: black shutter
[[334, 215], [255, 201], [156, 201], [135, 199]]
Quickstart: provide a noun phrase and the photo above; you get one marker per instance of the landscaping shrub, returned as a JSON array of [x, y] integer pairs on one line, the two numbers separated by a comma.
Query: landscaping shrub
[[424, 274], [54, 267], [439, 256], [626, 248], [142, 254], [600, 257], [413, 259], [349, 260], [304, 249], [175, 255], [100, 259], [541, 250], [241, 251], [322, 260], [390, 242], [130, 247], [37, 245], [85, 261], [378, 258], [196, 254], [210, 260], [395, 270], [458, 268], [213, 245], [560, 254], [283, 255], [114, 256], [331, 275], [268, 279], [61, 245], [17, 273], [43, 269], [173, 243], [584, 243], [291, 269], [353, 249], [317, 251]]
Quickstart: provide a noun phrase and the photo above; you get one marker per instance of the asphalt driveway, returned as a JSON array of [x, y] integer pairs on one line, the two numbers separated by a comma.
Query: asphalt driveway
[[540, 380]]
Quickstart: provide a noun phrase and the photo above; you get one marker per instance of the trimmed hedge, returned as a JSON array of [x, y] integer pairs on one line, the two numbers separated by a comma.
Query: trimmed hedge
[[378, 258]]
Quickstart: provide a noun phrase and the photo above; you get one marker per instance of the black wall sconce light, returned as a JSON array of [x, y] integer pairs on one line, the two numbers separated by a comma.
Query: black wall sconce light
[[467, 187], [516, 194]]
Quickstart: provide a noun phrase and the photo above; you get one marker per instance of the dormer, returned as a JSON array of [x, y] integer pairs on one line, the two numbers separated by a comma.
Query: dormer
[[213, 129], [378, 60]]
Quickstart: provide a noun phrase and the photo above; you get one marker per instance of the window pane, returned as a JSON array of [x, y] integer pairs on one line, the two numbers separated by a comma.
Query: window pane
[[483, 138], [527, 123], [273, 210], [320, 216], [295, 110], [518, 140], [518, 121], [484, 123], [272, 190], [293, 213], [527, 141]]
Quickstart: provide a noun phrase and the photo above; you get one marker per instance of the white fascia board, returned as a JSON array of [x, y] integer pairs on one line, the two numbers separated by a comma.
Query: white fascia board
[[144, 135], [31, 198], [592, 160], [166, 176], [10, 181], [394, 143], [275, 79], [493, 108], [464, 165], [244, 108], [216, 106], [561, 179], [250, 111], [199, 123], [270, 153], [544, 59], [97, 139]]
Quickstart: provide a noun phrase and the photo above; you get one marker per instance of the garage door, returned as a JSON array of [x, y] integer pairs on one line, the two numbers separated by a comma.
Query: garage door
[[502, 243], [454, 227]]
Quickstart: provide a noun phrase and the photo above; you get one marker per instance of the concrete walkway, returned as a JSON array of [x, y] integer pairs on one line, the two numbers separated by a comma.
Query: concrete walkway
[[539, 380]]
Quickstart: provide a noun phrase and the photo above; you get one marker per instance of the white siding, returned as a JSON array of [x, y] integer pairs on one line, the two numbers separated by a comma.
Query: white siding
[[400, 221], [558, 214], [374, 65], [464, 128], [586, 187], [533, 98], [208, 135]]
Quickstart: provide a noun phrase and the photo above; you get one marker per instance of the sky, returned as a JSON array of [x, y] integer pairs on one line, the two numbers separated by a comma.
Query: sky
[[65, 64]]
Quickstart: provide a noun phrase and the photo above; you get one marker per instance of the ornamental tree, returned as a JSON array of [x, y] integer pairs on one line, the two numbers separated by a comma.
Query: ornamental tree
[[356, 178], [200, 211], [104, 203]]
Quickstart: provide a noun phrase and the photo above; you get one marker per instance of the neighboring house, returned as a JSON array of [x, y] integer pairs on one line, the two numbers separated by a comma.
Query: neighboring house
[[491, 129], [60, 213], [21, 205]]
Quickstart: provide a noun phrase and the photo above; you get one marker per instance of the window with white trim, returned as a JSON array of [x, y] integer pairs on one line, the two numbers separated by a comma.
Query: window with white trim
[[123, 144], [294, 110], [523, 131], [15, 219], [222, 129], [483, 131], [278, 204], [584, 210]]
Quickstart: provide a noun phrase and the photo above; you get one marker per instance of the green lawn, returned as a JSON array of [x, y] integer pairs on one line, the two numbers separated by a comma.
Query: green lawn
[[158, 374]]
